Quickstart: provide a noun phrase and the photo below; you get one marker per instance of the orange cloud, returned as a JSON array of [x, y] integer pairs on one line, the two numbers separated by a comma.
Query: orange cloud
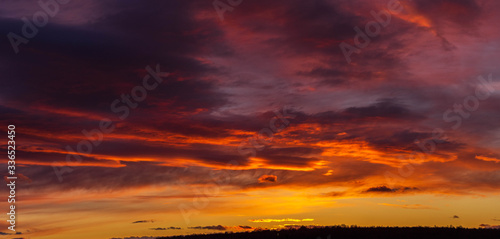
[[268, 179], [488, 159]]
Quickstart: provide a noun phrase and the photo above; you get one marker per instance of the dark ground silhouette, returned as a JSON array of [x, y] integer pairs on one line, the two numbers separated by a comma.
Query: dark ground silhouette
[[353, 232]]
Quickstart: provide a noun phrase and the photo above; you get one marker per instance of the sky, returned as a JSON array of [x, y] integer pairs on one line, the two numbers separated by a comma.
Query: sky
[[149, 118]]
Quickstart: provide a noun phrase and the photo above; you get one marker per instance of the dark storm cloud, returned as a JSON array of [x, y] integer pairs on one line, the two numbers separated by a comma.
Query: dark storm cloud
[[97, 62], [95, 56], [84, 67]]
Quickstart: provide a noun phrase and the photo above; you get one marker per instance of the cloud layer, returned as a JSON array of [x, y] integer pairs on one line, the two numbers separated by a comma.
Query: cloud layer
[[263, 100]]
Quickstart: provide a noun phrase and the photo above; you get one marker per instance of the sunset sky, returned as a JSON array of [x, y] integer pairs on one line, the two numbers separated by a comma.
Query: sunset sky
[[253, 116]]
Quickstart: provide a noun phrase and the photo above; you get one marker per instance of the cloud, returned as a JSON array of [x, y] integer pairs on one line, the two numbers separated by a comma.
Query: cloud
[[282, 220], [489, 159], [222, 228], [385, 189], [380, 189], [246, 227], [409, 189], [268, 179], [143, 221], [165, 228], [354, 122], [455, 217], [218, 228], [488, 226]]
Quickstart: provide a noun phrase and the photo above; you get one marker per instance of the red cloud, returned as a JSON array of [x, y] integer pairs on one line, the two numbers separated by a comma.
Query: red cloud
[[268, 178]]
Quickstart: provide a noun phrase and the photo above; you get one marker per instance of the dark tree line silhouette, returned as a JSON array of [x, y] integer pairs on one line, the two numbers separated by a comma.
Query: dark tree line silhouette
[[354, 232]]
